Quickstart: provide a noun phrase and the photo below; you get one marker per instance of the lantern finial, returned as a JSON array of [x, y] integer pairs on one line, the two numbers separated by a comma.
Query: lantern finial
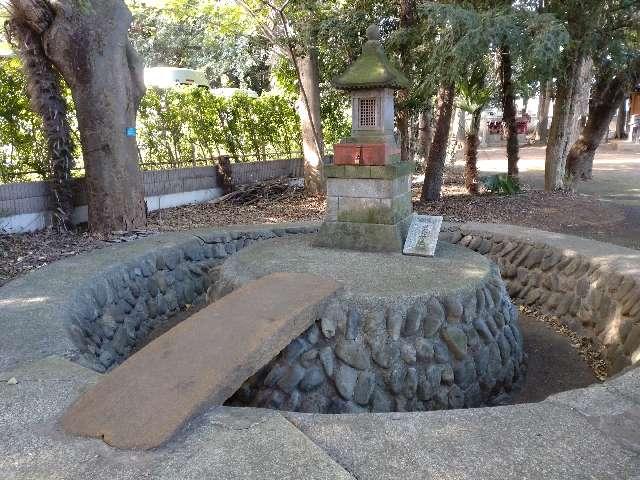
[[373, 33]]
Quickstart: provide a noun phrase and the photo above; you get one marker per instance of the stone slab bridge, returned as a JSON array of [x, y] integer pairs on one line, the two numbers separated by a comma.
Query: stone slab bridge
[[63, 328]]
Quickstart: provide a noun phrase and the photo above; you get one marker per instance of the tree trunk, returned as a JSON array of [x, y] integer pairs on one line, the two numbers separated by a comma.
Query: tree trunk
[[461, 133], [542, 129], [610, 91], [509, 109], [425, 131], [45, 95], [310, 121], [402, 122], [438, 152], [566, 117], [621, 123], [407, 19], [88, 44], [471, 154]]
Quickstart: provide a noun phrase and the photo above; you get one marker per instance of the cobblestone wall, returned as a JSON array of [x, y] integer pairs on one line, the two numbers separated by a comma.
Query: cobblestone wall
[[425, 357], [127, 304], [452, 352], [589, 298]]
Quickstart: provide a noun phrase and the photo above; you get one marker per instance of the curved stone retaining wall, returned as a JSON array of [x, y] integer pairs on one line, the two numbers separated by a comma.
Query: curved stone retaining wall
[[124, 305], [593, 288], [403, 334], [83, 306], [441, 353]]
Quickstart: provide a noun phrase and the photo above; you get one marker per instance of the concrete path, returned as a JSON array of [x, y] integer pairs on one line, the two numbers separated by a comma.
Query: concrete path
[[581, 434], [577, 435], [616, 173], [203, 360], [221, 444]]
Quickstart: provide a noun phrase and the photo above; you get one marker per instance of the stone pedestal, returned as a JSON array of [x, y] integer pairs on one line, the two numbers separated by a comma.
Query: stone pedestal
[[404, 333], [368, 207]]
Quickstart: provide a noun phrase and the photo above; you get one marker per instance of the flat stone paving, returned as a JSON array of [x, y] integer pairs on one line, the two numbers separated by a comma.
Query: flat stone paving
[[534, 441], [203, 360], [221, 444]]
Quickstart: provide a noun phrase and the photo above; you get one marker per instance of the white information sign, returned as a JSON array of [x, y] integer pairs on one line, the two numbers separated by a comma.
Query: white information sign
[[422, 238]]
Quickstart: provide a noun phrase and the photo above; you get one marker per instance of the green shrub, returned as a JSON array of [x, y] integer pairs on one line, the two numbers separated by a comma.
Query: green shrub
[[501, 184], [181, 125], [23, 147], [176, 127]]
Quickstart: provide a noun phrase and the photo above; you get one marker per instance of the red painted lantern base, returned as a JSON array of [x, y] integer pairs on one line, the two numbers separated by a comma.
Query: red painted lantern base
[[367, 154]]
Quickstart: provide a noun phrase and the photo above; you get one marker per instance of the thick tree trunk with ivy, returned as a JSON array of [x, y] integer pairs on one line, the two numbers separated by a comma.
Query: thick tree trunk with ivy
[[310, 121], [425, 131], [621, 123], [438, 152], [471, 144], [505, 70], [106, 79], [571, 90], [45, 95], [542, 128]]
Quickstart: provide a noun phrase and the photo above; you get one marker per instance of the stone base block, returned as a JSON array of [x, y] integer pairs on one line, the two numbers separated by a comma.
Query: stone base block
[[366, 237], [387, 211], [388, 172], [368, 187]]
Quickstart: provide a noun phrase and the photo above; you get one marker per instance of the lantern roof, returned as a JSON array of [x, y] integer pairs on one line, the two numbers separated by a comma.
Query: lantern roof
[[372, 69]]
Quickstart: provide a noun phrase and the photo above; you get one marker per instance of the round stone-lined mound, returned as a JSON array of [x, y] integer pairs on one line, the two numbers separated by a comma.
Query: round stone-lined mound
[[405, 334]]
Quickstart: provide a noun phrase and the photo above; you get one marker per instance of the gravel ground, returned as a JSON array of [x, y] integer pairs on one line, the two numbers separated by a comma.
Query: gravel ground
[[559, 212]]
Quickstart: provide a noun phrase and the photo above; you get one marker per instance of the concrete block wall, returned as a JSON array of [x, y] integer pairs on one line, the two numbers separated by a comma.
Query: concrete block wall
[[252, 172], [25, 207]]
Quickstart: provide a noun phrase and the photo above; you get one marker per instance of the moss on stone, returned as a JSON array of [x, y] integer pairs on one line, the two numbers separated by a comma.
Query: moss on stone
[[357, 171], [372, 69], [334, 171], [367, 237], [381, 172], [385, 215], [392, 171], [381, 215]]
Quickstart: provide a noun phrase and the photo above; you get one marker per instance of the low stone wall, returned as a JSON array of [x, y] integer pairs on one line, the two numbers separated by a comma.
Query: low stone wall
[[593, 288], [124, 306], [404, 334], [245, 173], [82, 307], [25, 207], [398, 360]]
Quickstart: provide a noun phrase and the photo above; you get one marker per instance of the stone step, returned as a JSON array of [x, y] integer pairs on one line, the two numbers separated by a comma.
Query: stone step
[[202, 361]]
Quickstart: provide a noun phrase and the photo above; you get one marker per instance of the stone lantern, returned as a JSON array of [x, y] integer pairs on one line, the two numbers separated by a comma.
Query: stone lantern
[[368, 187]]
